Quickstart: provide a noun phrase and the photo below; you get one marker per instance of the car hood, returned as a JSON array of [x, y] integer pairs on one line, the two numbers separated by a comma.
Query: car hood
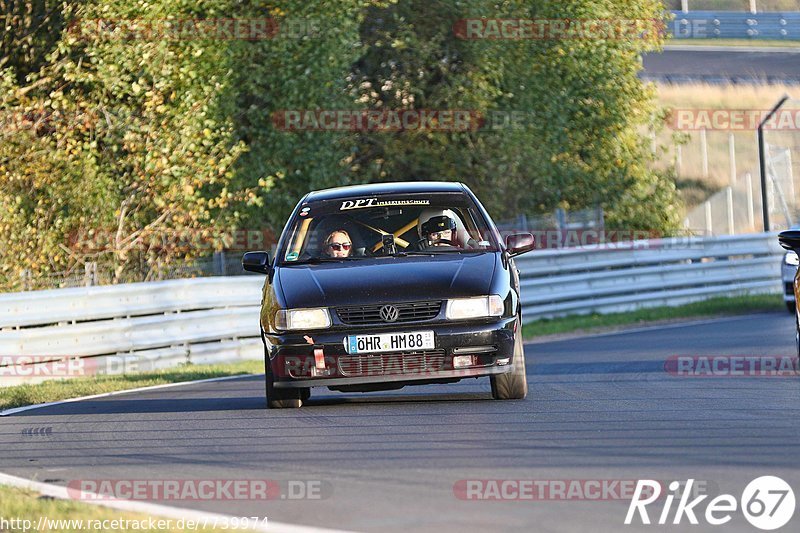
[[387, 279]]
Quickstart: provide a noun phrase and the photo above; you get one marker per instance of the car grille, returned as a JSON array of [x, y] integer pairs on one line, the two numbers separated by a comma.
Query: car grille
[[407, 312], [391, 363]]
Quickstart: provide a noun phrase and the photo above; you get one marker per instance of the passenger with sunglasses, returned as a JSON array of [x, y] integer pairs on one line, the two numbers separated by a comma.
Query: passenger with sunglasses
[[338, 244]]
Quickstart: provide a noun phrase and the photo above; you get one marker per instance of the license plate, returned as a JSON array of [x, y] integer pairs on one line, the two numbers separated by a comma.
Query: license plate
[[390, 342]]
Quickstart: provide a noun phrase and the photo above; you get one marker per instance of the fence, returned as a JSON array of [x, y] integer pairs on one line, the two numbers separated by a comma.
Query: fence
[[146, 326], [713, 160]]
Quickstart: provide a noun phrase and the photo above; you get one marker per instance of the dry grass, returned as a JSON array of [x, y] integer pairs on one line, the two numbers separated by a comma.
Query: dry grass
[[707, 96], [694, 186]]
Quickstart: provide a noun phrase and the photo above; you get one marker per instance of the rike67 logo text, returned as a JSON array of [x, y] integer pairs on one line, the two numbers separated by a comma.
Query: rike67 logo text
[[767, 502]]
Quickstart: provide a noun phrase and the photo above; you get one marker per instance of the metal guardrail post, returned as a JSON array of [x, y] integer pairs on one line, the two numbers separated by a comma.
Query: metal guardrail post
[[762, 161]]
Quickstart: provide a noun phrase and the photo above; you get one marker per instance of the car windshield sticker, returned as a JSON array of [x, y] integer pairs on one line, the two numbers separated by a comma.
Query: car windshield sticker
[[292, 256], [374, 202], [305, 211]]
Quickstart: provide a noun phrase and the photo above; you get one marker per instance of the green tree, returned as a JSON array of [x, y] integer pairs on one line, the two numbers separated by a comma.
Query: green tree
[[122, 139], [304, 67], [128, 142], [582, 107]]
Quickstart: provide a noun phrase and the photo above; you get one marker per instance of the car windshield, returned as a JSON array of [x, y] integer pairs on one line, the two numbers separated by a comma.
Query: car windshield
[[385, 226]]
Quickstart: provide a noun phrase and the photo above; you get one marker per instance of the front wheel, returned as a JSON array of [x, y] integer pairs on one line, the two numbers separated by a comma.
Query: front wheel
[[512, 385], [797, 335], [284, 398]]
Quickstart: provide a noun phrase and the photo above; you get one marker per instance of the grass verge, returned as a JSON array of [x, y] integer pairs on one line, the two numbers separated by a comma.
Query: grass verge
[[27, 507], [52, 391], [736, 305]]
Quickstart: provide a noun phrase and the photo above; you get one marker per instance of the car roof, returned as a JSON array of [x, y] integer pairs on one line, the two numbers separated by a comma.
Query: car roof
[[378, 189]]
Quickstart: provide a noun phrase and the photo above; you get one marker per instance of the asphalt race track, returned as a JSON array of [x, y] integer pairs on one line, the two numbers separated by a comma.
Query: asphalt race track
[[722, 66], [599, 408]]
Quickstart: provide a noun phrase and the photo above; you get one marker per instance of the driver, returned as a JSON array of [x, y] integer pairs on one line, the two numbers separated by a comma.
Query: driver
[[438, 229], [338, 244]]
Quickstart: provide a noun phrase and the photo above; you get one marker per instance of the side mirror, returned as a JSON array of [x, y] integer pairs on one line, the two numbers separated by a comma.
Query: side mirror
[[257, 262], [519, 243], [790, 239]]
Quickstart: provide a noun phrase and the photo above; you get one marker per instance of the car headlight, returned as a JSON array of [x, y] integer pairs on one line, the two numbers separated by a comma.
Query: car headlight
[[480, 307], [302, 319], [791, 259]]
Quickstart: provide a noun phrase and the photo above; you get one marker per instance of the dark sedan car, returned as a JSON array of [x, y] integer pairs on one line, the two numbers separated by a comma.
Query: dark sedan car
[[375, 287]]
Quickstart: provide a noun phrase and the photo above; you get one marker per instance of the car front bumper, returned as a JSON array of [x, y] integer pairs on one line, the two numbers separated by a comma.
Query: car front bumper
[[319, 359]]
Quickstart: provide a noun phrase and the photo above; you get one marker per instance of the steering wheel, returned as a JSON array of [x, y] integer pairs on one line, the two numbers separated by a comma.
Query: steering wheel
[[416, 245]]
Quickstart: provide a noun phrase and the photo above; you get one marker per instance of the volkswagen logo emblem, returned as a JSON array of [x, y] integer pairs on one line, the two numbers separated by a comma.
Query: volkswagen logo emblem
[[389, 313]]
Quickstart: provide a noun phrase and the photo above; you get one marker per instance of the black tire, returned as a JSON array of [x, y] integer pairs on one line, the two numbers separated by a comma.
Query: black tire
[[790, 306], [797, 336], [512, 385], [283, 398]]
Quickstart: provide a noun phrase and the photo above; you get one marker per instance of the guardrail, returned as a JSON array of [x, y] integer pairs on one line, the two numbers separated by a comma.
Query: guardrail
[[735, 25], [144, 326], [647, 274], [119, 328]]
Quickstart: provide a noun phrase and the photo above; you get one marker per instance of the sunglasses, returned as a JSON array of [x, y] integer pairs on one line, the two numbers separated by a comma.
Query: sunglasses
[[340, 246]]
